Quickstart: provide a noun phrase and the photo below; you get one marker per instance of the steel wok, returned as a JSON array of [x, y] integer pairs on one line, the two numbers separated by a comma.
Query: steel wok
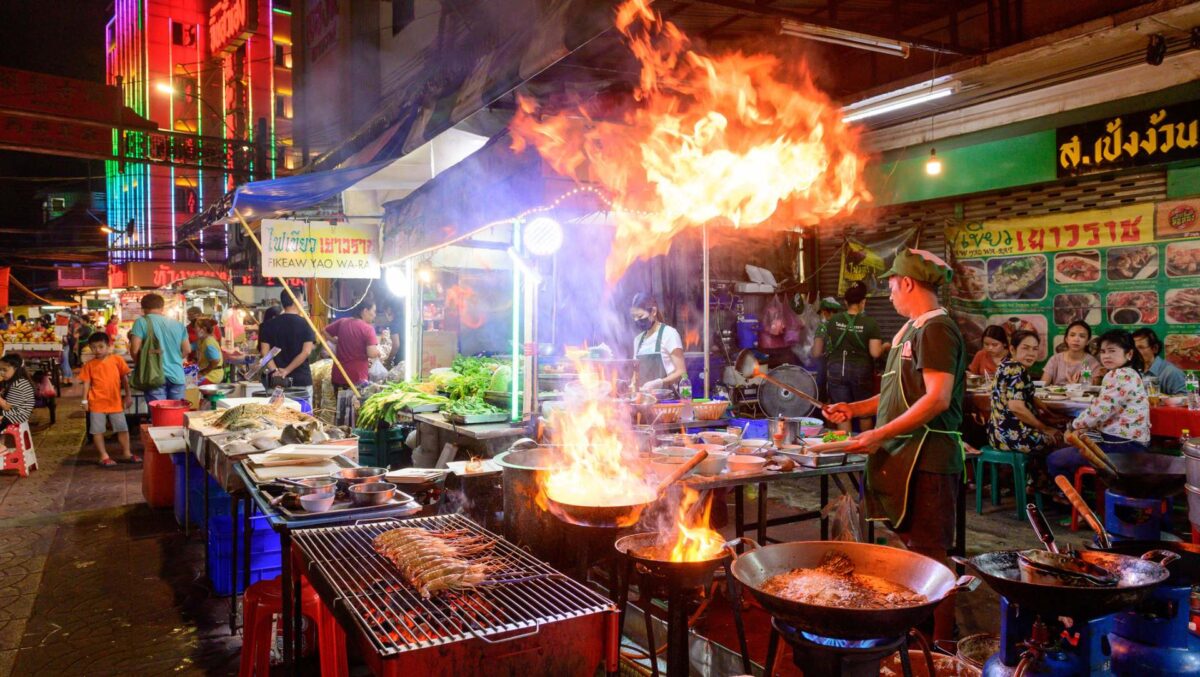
[[640, 548], [618, 516], [1146, 475], [915, 572], [1137, 578], [1185, 570]]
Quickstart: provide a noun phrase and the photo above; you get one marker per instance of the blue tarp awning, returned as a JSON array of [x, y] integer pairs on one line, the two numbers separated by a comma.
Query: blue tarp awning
[[268, 199]]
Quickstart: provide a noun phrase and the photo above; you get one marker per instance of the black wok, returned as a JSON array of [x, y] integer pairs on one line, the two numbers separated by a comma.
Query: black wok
[[1184, 571], [624, 515], [1146, 475], [641, 548], [916, 572], [1137, 578]]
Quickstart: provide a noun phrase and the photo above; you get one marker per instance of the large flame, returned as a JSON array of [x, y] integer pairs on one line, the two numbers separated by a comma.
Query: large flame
[[598, 465], [694, 541], [736, 139]]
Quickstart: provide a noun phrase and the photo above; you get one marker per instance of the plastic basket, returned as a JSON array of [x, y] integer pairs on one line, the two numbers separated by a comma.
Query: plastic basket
[[710, 411]]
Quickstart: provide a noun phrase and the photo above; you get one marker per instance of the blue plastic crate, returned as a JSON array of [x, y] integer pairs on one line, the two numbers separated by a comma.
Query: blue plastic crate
[[759, 428], [219, 571]]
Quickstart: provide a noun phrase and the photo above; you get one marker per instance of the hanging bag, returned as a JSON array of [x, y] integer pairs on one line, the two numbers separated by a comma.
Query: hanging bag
[[149, 372]]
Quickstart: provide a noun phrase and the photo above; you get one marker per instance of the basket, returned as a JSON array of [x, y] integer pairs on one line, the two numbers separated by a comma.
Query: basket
[[710, 411], [666, 413]]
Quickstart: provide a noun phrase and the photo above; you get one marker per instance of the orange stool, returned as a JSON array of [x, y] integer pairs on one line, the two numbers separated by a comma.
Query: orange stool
[[1083, 472], [261, 602], [22, 457]]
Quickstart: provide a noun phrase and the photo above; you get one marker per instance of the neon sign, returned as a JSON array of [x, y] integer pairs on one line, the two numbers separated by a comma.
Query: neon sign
[[230, 22]]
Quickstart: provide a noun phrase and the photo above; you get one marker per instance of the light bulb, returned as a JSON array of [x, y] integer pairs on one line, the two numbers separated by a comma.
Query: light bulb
[[393, 277], [933, 166], [543, 236]]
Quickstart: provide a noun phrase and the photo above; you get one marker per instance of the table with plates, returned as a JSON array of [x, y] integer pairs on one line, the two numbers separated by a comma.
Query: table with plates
[[1165, 421]]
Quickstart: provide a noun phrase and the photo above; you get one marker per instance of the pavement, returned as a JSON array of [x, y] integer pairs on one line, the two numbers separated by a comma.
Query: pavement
[[94, 581]]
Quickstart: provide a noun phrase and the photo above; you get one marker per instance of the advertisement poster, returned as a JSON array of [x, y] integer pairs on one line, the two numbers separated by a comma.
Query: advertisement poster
[[866, 261], [320, 249], [1127, 267]]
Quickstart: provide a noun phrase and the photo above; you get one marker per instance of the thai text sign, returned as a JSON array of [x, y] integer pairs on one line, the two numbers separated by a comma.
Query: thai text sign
[[1147, 138], [230, 22], [156, 274], [303, 249], [1056, 232]]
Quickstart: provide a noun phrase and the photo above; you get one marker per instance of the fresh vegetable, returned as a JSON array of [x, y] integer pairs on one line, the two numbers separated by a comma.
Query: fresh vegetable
[[501, 380], [470, 406], [835, 436], [384, 405], [474, 376]]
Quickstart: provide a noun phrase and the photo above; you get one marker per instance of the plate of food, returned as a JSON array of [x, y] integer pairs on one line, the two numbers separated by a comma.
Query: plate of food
[[1070, 308], [1133, 307], [1183, 306], [1017, 277], [1133, 263], [1183, 259], [1076, 267], [970, 280], [1183, 350]]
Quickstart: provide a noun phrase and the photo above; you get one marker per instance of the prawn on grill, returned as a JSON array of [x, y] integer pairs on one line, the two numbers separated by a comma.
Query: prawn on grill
[[433, 561]]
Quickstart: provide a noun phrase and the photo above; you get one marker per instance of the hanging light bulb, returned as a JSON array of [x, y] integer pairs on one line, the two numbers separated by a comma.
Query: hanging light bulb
[[543, 236], [425, 273], [933, 166]]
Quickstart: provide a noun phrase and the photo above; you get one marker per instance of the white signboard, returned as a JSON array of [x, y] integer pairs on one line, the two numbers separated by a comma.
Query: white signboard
[[320, 249]]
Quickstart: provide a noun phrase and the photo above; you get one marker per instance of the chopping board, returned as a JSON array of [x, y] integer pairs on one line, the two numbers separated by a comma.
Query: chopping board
[[296, 454], [292, 470]]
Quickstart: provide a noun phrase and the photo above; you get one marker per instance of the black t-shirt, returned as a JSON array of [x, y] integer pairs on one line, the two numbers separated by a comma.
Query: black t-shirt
[[289, 333]]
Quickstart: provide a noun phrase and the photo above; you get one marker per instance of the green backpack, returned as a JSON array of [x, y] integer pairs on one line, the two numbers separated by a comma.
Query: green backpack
[[149, 371]]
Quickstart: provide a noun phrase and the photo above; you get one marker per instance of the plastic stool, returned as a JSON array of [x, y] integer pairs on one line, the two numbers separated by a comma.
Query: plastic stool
[[1083, 472], [22, 457], [261, 602], [1013, 459]]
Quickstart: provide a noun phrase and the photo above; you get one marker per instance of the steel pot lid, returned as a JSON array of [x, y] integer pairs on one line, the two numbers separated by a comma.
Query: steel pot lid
[[776, 401]]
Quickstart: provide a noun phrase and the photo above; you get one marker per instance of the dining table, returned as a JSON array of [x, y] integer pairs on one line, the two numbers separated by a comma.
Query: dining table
[[1165, 421]]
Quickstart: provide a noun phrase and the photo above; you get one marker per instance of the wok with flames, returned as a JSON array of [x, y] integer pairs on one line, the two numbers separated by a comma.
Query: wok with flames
[[622, 514]]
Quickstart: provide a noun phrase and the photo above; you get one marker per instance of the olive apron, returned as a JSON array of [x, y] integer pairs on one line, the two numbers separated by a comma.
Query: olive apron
[[890, 469], [650, 366]]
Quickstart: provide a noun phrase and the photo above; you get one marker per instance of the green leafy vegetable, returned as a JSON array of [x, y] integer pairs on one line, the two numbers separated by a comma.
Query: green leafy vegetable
[[384, 406], [469, 406]]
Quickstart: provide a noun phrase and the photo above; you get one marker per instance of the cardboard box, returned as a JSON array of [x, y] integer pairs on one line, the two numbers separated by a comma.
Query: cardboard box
[[438, 349]]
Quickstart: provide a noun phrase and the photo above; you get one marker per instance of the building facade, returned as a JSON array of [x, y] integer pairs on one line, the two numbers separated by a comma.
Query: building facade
[[216, 77]]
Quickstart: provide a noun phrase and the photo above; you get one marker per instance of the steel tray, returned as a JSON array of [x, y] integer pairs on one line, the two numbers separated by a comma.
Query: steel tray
[[475, 419], [342, 507]]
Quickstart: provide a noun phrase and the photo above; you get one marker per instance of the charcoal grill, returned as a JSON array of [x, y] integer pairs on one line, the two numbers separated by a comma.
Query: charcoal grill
[[526, 618]]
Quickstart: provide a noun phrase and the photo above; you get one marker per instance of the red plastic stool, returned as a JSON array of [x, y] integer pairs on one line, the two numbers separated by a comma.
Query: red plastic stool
[[261, 602], [1081, 473], [22, 457]]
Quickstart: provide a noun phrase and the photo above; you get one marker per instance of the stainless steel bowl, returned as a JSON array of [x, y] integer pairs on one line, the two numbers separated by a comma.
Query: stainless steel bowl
[[314, 485], [348, 476], [371, 493]]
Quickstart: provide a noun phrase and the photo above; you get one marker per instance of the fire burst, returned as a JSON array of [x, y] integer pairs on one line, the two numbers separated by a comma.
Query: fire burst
[[694, 543], [719, 139]]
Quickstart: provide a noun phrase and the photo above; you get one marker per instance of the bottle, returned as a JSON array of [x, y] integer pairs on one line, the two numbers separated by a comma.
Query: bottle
[[685, 398], [1085, 377], [1185, 438], [1192, 386]]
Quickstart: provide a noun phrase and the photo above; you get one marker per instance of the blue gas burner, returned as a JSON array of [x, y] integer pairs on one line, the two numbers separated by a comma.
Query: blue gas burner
[[1132, 518], [1049, 646]]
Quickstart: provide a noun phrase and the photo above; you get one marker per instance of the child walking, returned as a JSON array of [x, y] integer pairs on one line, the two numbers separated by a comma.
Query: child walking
[[106, 395]]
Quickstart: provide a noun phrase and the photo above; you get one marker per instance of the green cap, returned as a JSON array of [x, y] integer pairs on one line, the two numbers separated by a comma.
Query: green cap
[[920, 265], [830, 303]]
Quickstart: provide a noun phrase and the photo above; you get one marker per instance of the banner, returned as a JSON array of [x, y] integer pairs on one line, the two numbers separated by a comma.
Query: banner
[[866, 261], [1149, 137], [320, 249], [1129, 267], [4, 287]]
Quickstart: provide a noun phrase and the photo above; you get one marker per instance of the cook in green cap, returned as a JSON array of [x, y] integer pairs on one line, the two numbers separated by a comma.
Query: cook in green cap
[[916, 459], [829, 307]]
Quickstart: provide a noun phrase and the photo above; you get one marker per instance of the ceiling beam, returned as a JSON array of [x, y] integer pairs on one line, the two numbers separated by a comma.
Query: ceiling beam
[[778, 12]]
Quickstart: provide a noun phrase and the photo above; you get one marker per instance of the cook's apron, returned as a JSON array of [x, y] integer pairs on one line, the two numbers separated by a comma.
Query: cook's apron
[[650, 365], [890, 469]]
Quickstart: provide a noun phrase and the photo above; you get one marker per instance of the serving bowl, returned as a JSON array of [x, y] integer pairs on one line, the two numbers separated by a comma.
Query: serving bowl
[[371, 493], [745, 463], [314, 486], [723, 439], [714, 464], [349, 476], [317, 502], [663, 466]]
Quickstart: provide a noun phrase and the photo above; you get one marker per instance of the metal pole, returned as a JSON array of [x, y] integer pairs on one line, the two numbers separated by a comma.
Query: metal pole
[[707, 329]]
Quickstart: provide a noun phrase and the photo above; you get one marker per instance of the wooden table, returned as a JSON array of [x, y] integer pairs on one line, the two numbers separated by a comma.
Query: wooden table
[[1164, 421]]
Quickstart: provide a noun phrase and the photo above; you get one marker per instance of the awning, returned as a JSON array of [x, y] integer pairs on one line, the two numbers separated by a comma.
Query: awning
[[268, 199]]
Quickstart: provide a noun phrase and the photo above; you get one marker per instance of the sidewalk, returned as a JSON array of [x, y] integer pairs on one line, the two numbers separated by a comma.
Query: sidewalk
[[93, 581]]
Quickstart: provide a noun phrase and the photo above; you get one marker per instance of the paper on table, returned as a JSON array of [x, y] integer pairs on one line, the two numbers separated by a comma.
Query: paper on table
[[485, 466], [307, 451]]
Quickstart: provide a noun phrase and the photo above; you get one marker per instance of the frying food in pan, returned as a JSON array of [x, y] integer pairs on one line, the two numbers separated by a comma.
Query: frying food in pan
[[834, 583]]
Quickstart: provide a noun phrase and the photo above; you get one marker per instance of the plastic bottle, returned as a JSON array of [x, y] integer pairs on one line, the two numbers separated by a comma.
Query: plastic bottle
[[685, 398], [1085, 376], [1192, 387], [1185, 437]]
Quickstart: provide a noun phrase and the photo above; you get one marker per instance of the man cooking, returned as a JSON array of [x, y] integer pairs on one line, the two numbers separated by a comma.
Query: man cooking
[[916, 457]]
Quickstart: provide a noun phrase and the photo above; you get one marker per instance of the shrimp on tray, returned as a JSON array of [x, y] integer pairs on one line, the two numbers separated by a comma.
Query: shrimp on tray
[[433, 561]]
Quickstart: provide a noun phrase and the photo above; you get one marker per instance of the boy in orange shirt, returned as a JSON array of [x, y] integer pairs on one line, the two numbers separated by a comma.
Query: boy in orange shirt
[[106, 395]]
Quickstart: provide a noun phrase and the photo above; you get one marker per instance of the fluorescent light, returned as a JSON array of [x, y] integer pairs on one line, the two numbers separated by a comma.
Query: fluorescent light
[[906, 97], [837, 36]]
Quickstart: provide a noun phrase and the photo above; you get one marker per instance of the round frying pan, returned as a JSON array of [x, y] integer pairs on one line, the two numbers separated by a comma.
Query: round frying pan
[[915, 572], [640, 547], [1138, 577], [615, 516], [1184, 571], [1146, 475]]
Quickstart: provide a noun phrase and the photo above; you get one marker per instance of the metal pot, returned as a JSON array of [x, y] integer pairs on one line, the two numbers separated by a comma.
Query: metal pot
[[525, 522], [313, 485], [796, 427], [348, 476], [1191, 456], [371, 493]]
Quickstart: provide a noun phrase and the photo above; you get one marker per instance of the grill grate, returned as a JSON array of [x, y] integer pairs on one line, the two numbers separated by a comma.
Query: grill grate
[[520, 593]]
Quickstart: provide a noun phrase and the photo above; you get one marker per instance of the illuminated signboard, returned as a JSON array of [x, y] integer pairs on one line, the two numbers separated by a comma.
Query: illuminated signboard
[[155, 275], [230, 22]]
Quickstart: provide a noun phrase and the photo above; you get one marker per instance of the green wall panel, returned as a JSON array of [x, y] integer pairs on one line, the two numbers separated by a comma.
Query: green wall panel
[[1183, 181]]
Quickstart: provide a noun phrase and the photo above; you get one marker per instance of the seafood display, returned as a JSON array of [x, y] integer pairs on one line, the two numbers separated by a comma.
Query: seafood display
[[1077, 267], [1183, 306], [1133, 263], [834, 583], [1184, 350], [970, 280], [1183, 259], [255, 417], [1133, 307], [1021, 277], [434, 561], [1070, 308]]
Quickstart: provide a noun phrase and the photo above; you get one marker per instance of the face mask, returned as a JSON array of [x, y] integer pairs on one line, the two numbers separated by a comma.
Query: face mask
[[643, 323]]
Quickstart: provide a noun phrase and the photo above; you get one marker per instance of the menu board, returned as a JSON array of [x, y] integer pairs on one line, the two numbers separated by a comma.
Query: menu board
[[1128, 267]]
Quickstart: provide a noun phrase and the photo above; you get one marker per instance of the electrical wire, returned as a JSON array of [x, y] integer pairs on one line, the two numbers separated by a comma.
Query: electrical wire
[[352, 305]]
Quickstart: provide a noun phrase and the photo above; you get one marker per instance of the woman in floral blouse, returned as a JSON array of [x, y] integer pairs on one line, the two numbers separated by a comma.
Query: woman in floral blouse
[[1014, 424], [1121, 413]]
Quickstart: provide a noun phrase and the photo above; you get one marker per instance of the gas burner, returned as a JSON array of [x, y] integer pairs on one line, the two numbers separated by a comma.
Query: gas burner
[[834, 656]]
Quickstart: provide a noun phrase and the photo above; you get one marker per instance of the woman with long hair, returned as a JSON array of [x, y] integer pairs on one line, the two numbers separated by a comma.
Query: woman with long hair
[[16, 391], [1067, 366]]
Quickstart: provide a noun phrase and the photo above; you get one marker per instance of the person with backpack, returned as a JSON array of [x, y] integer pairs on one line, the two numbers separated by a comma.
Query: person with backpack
[[850, 343], [158, 345]]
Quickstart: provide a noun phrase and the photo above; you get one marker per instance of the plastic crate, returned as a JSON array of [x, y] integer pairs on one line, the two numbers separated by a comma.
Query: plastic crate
[[265, 553], [383, 448], [219, 571], [182, 462], [759, 428]]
